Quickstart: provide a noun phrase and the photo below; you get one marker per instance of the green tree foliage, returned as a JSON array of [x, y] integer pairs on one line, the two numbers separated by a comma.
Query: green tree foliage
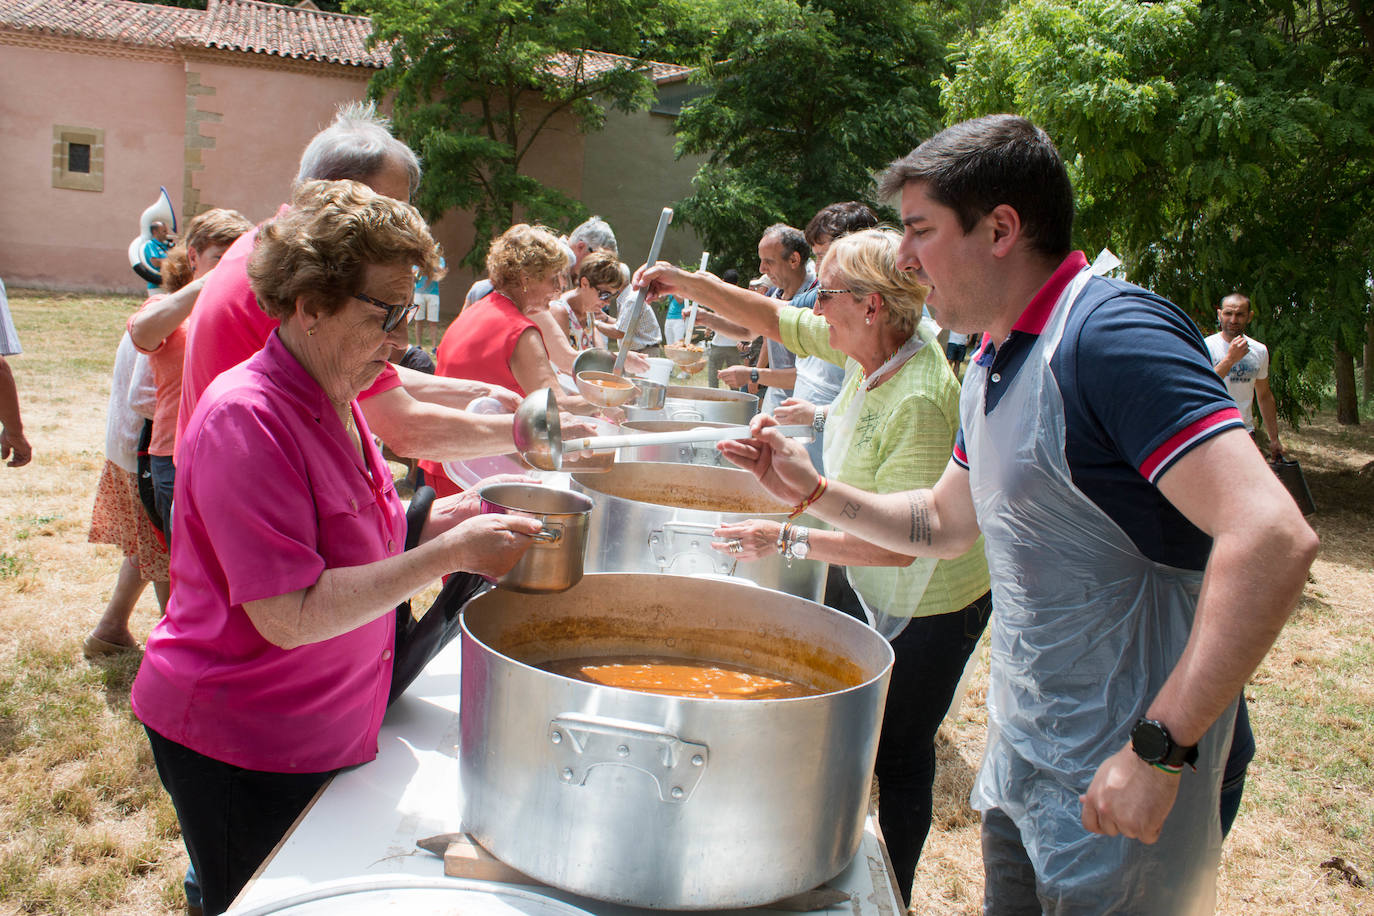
[[805, 102], [1216, 145], [476, 83]]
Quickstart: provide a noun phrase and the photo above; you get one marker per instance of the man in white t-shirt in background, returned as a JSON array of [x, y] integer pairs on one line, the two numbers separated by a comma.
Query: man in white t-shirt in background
[[1243, 363]]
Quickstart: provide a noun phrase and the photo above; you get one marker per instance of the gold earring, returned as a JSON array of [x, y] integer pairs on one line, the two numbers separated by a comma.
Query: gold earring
[[310, 332]]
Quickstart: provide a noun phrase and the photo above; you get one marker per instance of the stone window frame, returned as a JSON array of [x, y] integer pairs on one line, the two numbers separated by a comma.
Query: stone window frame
[[63, 136]]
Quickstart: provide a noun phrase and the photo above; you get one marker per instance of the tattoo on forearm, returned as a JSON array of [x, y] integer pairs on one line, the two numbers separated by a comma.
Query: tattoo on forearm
[[920, 518], [851, 510]]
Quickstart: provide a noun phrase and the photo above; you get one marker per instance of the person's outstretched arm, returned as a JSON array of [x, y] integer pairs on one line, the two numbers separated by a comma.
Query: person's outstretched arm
[[939, 522]]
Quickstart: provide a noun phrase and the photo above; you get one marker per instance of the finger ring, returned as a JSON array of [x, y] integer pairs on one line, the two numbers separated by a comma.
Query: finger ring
[[736, 545]]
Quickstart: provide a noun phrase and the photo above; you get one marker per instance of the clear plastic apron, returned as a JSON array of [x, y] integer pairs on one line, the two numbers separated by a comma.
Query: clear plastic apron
[[1085, 630], [888, 594]]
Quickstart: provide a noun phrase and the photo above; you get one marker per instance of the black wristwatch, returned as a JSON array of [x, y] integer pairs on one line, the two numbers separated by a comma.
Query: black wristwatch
[[1153, 744], [754, 376]]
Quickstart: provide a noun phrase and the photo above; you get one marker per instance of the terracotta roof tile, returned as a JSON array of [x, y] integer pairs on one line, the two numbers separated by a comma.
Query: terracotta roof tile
[[284, 31], [249, 26], [101, 20], [599, 62]]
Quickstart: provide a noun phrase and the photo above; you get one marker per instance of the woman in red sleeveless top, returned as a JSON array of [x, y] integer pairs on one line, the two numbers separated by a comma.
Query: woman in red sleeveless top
[[494, 339]]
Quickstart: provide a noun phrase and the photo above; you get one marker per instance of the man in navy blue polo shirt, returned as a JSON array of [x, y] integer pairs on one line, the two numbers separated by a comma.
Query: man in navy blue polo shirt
[[1143, 556]]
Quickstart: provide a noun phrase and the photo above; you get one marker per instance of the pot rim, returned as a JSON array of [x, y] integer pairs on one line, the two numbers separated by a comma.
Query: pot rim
[[667, 700], [501, 496]]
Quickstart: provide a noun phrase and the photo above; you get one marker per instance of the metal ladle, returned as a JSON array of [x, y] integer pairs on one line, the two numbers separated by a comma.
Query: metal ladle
[[537, 432], [594, 359]]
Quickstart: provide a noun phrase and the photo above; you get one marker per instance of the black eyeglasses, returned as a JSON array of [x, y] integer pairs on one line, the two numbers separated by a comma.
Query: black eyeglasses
[[605, 295], [825, 295], [395, 314]]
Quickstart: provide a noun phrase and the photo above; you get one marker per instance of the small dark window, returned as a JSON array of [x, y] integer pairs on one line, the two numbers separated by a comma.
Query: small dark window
[[79, 157]]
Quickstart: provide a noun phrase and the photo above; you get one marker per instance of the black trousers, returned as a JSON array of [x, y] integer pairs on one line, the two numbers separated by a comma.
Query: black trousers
[[231, 818]]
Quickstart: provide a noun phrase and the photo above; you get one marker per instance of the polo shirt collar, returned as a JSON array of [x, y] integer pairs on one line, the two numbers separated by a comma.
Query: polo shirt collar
[[1037, 313], [276, 362]]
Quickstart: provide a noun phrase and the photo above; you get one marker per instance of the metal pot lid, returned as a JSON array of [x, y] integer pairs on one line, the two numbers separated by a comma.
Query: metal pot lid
[[408, 894]]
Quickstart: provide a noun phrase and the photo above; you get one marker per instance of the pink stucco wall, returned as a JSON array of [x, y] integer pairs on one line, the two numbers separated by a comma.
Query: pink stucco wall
[[250, 120], [266, 119], [78, 239]]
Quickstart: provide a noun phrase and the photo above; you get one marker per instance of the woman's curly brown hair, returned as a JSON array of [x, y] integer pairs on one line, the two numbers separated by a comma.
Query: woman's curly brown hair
[[213, 227], [525, 253], [320, 248]]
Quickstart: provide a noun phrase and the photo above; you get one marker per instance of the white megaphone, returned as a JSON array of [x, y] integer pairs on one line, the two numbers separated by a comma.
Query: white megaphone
[[160, 211]]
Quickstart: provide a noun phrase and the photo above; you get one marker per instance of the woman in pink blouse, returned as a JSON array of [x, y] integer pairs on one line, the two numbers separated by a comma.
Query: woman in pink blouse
[[272, 667]]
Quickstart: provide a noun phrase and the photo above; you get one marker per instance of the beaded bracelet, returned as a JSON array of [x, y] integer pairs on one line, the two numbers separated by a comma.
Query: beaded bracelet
[[815, 495]]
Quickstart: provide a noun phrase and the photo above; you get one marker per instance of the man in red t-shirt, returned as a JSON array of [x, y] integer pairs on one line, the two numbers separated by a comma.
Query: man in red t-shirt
[[417, 415]]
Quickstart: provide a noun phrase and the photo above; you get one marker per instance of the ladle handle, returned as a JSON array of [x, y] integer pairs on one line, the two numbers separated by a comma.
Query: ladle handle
[[664, 219], [692, 309], [678, 437]]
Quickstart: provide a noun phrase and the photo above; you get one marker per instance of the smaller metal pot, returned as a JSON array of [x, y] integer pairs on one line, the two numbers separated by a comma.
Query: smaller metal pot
[[651, 394], [714, 405], [554, 561]]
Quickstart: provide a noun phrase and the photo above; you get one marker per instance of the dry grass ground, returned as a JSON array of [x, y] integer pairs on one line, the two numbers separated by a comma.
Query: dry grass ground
[[85, 827]]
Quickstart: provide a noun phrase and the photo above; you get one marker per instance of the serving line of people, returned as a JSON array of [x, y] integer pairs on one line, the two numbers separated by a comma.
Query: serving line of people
[[1143, 556], [893, 424]]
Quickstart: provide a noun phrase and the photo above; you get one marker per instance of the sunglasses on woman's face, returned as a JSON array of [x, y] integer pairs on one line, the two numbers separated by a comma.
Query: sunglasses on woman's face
[[395, 314], [605, 295]]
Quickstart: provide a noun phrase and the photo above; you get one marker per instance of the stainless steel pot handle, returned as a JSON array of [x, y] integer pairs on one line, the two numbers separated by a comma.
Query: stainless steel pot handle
[[582, 742], [549, 534], [690, 414], [684, 548]]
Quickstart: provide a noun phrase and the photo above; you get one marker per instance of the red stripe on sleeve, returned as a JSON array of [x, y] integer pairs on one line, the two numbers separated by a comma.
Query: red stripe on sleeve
[[1182, 441]]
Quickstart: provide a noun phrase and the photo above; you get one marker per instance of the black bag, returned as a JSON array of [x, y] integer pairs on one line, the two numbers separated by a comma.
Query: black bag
[[145, 482], [1290, 474], [418, 641]]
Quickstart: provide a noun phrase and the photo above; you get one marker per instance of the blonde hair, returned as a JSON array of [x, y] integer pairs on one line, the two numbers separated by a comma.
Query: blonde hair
[[211, 228], [320, 248], [868, 261], [523, 253], [600, 268]]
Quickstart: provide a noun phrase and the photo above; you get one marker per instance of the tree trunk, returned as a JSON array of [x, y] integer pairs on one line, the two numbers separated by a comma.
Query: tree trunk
[[1347, 405], [1369, 355]]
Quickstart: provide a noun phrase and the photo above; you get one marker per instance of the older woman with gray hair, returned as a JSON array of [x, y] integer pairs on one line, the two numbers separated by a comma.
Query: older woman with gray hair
[[892, 424], [272, 667]]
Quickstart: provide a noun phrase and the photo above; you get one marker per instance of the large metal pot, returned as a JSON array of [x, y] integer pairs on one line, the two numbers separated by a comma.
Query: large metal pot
[[651, 516], [690, 402], [682, 453], [663, 801]]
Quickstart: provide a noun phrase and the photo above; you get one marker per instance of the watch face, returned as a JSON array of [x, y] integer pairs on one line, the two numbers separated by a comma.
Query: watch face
[[1149, 741], [800, 549]]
